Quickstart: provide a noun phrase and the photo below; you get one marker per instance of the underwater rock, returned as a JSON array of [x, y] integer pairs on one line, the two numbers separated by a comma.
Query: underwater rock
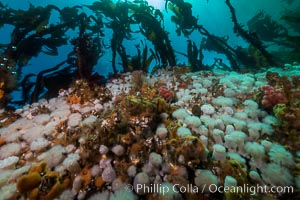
[[142, 139]]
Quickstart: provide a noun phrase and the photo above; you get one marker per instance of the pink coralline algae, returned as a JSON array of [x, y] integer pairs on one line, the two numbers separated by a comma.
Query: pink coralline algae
[[166, 93], [273, 96]]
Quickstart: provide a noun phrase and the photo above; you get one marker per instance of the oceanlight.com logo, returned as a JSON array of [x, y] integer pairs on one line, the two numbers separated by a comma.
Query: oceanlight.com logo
[[209, 188], [251, 189]]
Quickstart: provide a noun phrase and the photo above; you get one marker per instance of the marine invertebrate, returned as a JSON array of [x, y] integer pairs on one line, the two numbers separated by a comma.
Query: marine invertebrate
[[166, 93], [207, 109], [271, 170], [85, 91], [86, 175], [180, 114], [10, 149], [219, 152], [140, 179], [279, 155], [9, 162], [183, 132], [256, 152], [138, 133], [161, 132], [51, 186], [203, 177], [273, 96], [281, 97], [74, 100], [280, 110], [192, 121], [192, 150], [39, 183], [28, 182]]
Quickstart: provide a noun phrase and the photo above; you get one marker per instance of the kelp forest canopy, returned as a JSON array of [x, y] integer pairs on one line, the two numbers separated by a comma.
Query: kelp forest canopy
[[34, 33]]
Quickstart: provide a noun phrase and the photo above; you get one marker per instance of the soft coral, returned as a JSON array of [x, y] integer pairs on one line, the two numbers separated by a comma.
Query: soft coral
[[166, 93], [273, 96]]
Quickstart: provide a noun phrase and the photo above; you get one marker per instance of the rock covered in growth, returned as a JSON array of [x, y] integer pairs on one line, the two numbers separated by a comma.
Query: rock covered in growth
[[131, 171], [273, 96], [192, 121], [39, 144], [279, 155], [180, 113], [40, 176], [155, 159], [54, 156], [219, 152], [71, 163], [166, 93], [118, 150], [267, 173], [139, 138], [103, 149], [10, 150], [183, 132], [108, 174], [74, 119], [162, 132], [9, 162], [204, 178], [207, 109]]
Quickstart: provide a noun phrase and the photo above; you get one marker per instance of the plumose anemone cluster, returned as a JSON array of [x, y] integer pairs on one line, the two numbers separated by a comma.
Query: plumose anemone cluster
[[171, 130]]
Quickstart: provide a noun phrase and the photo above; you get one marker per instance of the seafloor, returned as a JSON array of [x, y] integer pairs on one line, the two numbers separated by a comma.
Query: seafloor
[[141, 135]]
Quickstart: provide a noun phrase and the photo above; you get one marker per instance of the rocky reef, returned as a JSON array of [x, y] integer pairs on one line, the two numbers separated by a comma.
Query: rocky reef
[[191, 134]]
